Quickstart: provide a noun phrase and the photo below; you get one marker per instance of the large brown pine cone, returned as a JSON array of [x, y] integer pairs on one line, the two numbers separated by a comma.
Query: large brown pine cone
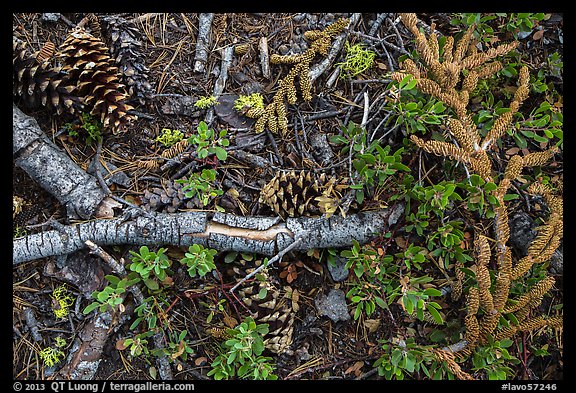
[[38, 83], [86, 59]]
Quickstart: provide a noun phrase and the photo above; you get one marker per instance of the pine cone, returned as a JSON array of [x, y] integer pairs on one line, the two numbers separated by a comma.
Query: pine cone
[[291, 195], [168, 199], [87, 61], [273, 309], [38, 83], [126, 49]]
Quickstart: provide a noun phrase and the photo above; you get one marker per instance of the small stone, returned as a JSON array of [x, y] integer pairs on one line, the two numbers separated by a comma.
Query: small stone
[[50, 16], [283, 49], [299, 18], [338, 270], [332, 305]]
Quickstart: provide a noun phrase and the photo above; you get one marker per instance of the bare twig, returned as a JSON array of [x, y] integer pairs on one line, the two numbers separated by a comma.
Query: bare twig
[[379, 19], [366, 107], [220, 84]]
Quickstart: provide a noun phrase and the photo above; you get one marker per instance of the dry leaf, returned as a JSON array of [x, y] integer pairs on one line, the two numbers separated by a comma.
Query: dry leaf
[[400, 242], [538, 35], [295, 298], [106, 208], [200, 361], [179, 352], [355, 368], [229, 321], [120, 345], [372, 324]]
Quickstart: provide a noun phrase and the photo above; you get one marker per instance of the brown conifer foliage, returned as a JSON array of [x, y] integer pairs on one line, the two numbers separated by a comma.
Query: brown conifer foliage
[[490, 298]]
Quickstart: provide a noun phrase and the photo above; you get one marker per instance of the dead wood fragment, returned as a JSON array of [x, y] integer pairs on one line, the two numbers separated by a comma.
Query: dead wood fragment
[[32, 323], [264, 57], [203, 40]]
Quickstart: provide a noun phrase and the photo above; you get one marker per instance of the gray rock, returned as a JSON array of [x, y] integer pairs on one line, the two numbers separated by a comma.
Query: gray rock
[[523, 232], [50, 16], [332, 305], [338, 270], [226, 112]]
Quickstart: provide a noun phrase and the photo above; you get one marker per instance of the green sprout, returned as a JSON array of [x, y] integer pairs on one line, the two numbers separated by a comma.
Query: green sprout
[[254, 100], [50, 356], [169, 137], [205, 102], [61, 302], [199, 260], [358, 59], [90, 126], [201, 185]]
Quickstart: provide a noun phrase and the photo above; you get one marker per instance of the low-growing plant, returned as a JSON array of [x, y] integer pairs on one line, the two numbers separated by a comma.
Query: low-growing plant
[[152, 267], [375, 282], [413, 256], [445, 243], [201, 186], [112, 296], [207, 142], [416, 299], [89, 127], [411, 109], [544, 124], [178, 347], [358, 59], [487, 24], [51, 356], [494, 359], [205, 102], [147, 311], [169, 137], [406, 359], [138, 344], [242, 354], [436, 198], [246, 102], [373, 163], [199, 260], [61, 301]]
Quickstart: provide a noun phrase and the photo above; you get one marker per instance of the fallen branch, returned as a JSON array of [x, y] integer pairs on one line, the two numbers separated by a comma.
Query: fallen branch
[[224, 232], [52, 169]]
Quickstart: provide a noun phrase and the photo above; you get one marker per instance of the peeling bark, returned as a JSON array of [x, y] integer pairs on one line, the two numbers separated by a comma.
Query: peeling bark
[[86, 353], [224, 232], [52, 169]]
